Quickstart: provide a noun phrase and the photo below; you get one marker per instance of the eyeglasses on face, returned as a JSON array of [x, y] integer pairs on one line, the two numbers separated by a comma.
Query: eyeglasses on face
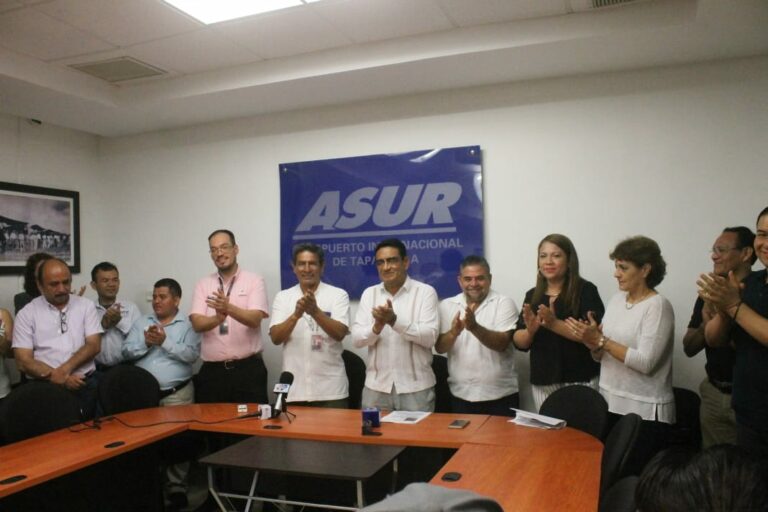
[[720, 250], [224, 248]]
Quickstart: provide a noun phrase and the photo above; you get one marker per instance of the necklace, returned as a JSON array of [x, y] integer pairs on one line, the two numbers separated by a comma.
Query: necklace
[[629, 306]]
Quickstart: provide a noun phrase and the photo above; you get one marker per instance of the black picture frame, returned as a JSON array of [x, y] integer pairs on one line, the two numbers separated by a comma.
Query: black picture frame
[[38, 219]]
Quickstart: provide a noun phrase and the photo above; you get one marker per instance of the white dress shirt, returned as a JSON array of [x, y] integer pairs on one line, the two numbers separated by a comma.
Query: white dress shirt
[[401, 355]]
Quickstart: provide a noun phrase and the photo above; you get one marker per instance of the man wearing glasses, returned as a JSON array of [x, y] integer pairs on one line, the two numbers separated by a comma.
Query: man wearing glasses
[[397, 320], [57, 336], [732, 251], [227, 308]]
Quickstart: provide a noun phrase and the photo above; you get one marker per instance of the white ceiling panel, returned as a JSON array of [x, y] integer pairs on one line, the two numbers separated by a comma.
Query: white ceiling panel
[[478, 12], [284, 33], [202, 50], [33, 33], [376, 20], [336, 51], [122, 22]]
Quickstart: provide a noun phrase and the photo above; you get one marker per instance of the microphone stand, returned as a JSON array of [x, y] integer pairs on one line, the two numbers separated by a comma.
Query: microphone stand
[[288, 415]]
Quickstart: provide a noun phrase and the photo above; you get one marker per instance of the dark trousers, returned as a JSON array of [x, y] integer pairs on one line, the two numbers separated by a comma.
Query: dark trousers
[[239, 382], [752, 440], [498, 407]]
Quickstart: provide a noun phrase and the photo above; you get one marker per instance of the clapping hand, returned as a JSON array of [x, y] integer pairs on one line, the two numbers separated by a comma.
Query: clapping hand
[[720, 292], [457, 325], [470, 322], [383, 315], [546, 314], [154, 335], [220, 302], [531, 319], [111, 316], [587, 331]]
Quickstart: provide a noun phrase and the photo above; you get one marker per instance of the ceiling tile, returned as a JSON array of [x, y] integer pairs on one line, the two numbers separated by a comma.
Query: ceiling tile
[[374, 20], [479, 12], [122, 22], [284, 33], [33, 33], [197, 51]]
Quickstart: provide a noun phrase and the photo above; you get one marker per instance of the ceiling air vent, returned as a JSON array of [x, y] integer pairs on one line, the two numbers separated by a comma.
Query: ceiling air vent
[[588, 5], [606, 3], [119, 69]]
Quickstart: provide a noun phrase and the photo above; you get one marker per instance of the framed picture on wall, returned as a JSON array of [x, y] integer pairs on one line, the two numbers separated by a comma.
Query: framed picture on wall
[[38, 219]]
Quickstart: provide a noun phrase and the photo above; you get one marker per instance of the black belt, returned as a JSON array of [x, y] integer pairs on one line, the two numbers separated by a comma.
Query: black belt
[[231, 364], [723, 387], [168, 392]]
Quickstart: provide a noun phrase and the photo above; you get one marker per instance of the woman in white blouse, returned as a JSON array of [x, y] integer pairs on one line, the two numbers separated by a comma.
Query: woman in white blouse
[[634, 346]]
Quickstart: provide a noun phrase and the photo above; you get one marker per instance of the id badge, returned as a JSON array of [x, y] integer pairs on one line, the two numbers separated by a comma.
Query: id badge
[[224, 327], [317, 342]]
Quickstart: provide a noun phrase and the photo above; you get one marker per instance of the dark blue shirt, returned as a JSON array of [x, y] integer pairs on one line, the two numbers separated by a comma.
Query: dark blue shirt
[[750, 374]]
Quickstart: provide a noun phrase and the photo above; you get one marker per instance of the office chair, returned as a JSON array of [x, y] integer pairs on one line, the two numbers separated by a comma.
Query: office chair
[[355, 368], [127, 388], [36, 408], [619, 444], [621, 496], [581, 407], [686, 432], [442, 391]]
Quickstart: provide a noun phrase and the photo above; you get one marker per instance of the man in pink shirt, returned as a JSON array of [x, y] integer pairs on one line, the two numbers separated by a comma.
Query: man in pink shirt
[[227, 308]]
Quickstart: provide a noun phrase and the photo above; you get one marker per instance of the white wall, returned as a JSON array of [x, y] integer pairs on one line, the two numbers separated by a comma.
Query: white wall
[[49, 156], [672, 153]]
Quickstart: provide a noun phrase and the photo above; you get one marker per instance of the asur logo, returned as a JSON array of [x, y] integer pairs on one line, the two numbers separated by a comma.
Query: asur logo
[[420, 205]]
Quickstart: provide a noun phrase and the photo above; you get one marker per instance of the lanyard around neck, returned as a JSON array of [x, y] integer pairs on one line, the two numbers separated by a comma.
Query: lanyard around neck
[[231, 284]]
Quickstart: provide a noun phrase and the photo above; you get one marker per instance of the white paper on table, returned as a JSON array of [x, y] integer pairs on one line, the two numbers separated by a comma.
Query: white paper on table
[[405, 417], [529, 419]]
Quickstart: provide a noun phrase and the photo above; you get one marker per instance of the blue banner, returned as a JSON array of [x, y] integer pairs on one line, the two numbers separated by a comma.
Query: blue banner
[[432, 200]]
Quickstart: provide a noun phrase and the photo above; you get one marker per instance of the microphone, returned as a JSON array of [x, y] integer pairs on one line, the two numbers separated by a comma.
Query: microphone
[[281, 390]]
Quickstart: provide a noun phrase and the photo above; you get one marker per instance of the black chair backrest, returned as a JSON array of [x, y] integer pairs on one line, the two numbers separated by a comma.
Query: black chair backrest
[[618, 446], [686, 432], [127, 388], [355, 368], [581, 407], [36, 408], [621, 496], [442, 391]]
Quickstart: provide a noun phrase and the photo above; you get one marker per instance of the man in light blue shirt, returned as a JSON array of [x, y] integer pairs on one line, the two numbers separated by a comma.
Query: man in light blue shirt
[[116, 316], [165, 345]]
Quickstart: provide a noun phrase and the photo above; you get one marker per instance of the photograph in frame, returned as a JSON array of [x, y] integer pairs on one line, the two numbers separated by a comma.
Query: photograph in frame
[[38, 219]]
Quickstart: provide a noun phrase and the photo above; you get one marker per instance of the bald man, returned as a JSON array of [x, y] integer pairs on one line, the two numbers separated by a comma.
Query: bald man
[[57, 336]]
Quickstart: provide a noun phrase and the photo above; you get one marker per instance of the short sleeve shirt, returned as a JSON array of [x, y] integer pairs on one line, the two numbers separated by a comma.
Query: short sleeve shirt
[[55, 335], [313, 357], [475, 372], [248, 292]]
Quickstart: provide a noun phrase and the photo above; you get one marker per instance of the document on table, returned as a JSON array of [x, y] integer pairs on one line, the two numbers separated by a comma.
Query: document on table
[[529, 419], [405, 417]]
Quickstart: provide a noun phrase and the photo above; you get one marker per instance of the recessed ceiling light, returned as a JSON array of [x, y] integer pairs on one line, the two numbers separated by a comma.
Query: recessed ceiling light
[[209, 11]]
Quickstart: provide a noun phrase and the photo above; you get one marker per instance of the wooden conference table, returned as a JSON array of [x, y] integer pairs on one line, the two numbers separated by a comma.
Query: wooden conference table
[[522, 468]]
